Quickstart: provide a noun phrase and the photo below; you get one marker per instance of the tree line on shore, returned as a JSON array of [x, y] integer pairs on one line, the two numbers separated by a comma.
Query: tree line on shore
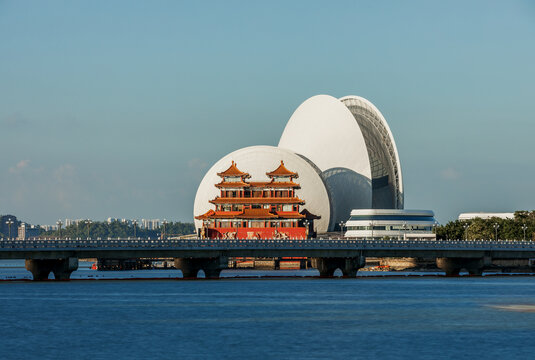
[[117, 229], [521, 227]]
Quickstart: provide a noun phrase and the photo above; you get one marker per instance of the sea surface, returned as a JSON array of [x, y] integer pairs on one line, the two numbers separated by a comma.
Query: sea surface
[[428, 317]]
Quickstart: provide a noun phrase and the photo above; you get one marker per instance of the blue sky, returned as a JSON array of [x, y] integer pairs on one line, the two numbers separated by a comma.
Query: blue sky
[[116, 109]]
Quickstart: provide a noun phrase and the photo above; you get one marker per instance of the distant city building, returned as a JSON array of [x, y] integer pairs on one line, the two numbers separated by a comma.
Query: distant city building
[[150, 224], [21, 235], [49, 227], [69, 222], [486, 215], [391, 224], [26, 231]]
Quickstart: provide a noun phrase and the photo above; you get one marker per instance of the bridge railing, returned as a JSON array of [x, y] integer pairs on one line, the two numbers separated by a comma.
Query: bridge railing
[[422, 244]]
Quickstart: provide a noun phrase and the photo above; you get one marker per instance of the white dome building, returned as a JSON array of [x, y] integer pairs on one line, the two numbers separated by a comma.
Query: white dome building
[[343, 151], [257, 160]]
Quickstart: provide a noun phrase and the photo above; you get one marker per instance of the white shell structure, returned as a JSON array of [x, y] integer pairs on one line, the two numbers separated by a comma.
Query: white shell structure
[[383, 154], [257, 161], [343, 151]]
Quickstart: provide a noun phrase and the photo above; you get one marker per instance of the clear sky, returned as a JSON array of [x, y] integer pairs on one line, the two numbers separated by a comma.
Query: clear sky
[[117, 108]]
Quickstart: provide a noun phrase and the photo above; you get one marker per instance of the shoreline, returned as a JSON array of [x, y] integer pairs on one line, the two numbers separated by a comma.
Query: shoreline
[[281, 277]]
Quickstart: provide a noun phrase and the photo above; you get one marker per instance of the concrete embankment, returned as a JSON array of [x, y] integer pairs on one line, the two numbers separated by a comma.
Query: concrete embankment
[[408, 263]]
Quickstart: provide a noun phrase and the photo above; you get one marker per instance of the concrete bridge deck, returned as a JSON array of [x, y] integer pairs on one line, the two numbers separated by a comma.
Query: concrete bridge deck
[[194, 254], [200, 248]]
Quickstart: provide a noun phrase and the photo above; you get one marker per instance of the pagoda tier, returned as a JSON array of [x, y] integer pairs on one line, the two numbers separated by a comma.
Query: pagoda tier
[[259, 214], [233, 171], [236, 184], [275, 184], [282, 171], [258, 184], [257, 200], [256, 209]]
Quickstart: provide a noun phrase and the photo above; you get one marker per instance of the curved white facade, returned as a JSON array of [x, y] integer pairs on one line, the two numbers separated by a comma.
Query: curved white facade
[[387, 181], [323, 130], [390, 223], [257, 160], [345, 155]]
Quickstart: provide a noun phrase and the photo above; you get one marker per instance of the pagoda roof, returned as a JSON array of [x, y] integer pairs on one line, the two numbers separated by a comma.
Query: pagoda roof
[[243, 214], [233, 171], [289, 215], [257, 200], [286, 184], [257, 214], [211, 214], [206, 215], [308, 215], [237, 184], [282, 171]]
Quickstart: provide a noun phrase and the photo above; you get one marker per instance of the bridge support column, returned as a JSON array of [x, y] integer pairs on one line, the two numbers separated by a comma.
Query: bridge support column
[[41, 268], [348, 266], [63, 268], [452, 266], [211, 266]]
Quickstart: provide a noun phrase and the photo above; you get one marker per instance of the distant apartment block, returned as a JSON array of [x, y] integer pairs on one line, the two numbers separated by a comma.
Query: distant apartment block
[[26, 231], [150, 224]]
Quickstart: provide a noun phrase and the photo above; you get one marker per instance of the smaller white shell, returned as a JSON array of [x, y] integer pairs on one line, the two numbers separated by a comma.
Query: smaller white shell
[[257, 161]]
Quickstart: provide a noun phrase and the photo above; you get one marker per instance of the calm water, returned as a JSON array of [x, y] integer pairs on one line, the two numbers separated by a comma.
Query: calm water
[[367, 318]]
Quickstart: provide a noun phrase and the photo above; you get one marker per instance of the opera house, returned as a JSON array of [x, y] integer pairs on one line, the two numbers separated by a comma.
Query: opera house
[[336, 155]]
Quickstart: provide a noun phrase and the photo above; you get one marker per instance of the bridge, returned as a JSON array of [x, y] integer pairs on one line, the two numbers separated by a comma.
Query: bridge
[[60, 256]]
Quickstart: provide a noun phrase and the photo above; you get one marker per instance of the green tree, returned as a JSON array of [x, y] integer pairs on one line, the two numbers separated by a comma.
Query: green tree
[[117, 229], [483, 229]]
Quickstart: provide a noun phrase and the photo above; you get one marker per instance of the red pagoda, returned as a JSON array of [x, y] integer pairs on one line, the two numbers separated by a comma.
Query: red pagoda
[[256, 210]]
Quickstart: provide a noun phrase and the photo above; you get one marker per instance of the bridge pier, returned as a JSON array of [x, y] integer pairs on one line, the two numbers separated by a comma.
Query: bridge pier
[[212, 267], [348, 266], [452, 266], [41, 268]]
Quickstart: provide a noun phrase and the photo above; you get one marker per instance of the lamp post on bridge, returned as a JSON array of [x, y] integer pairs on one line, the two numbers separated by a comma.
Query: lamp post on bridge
[[59, 223], [9, 222], [341, 229], [524, 227], [134, 222], [164, 223], [306, 223], [466, 226], [496, 227], [88, 222]]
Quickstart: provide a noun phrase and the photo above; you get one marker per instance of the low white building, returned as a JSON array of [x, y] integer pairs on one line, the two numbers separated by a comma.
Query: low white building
[[391, 224], [485, 215]]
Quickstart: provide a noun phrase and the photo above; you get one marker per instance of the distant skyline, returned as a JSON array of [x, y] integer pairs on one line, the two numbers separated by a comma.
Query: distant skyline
[[117, 109]]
